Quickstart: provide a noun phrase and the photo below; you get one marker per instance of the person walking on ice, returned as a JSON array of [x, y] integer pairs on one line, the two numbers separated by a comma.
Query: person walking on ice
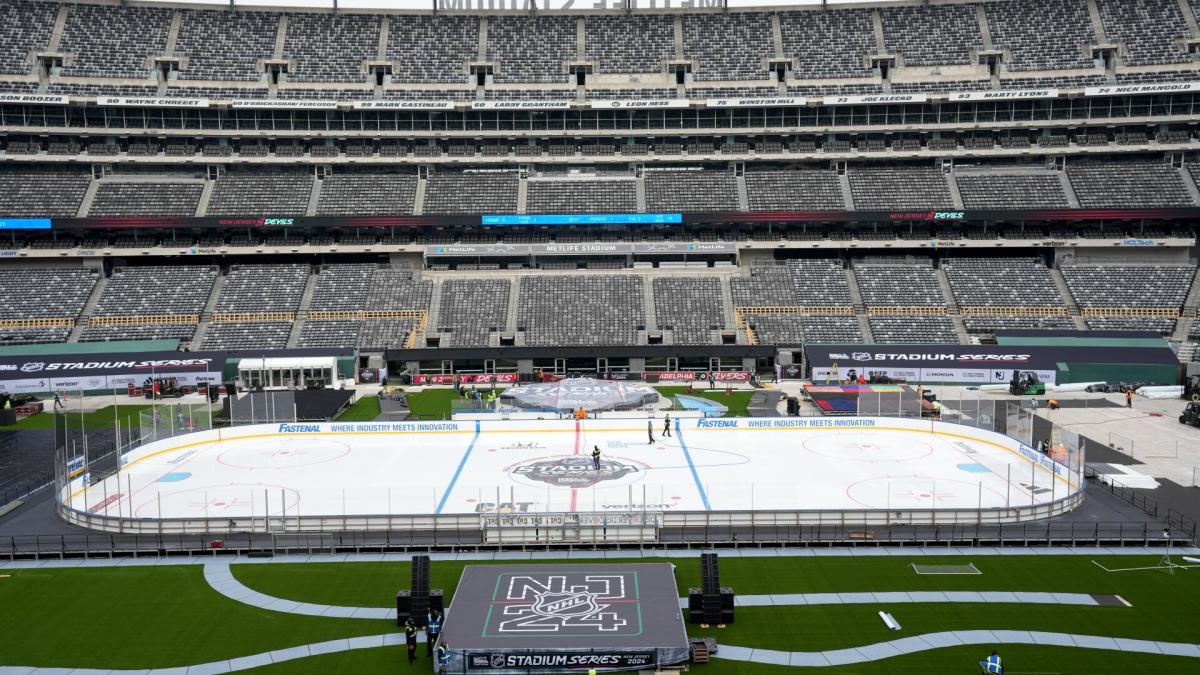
[[596, 457], [650, 431], [666, 432]]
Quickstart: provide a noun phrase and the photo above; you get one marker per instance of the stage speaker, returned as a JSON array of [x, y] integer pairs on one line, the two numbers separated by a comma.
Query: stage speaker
[[403, 607], [419, 590], [695, 599], [437, 601], [726, 598], [710, 573]]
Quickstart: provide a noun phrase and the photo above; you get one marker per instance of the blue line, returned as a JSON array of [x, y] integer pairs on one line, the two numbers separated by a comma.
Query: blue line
[[458, 471], [691, 465]]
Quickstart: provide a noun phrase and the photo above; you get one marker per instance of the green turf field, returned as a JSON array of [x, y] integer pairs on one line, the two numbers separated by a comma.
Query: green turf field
[[431, 404], [139, 617], [364, 409], [101, 418], [735, 401]]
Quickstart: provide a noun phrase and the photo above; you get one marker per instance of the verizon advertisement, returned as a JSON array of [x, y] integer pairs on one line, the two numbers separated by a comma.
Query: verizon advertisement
[[60, 372]]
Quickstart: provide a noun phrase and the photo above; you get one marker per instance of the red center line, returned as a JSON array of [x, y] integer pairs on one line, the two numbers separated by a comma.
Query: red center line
[[620, 601], [575, 491]]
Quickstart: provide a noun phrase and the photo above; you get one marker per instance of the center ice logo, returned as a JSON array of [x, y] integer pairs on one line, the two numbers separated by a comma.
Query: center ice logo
[[574, 472]]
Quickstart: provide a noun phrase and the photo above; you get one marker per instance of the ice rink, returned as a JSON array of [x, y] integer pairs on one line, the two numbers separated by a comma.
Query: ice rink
[[785, 464]]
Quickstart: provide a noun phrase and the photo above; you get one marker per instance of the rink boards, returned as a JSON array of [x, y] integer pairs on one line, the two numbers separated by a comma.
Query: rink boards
[[290, 470]]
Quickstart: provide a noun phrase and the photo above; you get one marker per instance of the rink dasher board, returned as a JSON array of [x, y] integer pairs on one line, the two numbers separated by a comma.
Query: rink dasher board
[[695, 429]]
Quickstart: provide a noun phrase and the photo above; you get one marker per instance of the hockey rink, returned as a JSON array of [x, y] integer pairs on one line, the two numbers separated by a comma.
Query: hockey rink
[[417, 468]]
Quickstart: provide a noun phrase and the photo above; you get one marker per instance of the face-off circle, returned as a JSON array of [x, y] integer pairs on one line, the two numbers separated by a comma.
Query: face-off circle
[[919, 492], [857, 447], [237, 500], [287, 453]]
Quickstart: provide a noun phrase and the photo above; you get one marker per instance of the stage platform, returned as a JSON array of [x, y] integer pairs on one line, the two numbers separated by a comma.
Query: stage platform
[[564, 618], [866, 399]]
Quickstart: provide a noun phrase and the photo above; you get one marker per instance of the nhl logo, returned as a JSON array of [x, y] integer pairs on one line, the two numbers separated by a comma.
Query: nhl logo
[[861, 356], [565, 604], [497, 661]]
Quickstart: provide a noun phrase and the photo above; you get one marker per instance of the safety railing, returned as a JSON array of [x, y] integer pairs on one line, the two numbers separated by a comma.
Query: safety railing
[[699, 537]]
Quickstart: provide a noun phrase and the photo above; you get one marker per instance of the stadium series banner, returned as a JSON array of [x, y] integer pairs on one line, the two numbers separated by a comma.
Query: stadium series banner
[[978, 364], [74, 372]]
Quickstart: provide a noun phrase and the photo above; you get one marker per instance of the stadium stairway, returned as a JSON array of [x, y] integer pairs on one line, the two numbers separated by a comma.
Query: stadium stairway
[[844, 183], [522, 194], [1192, 301], [1189, 183], [1183, 325], [1072, 307], [955, 195], [209, 308], [88, 308], [648, 308], [89, 196], [419, 195], [729, 316], [1068, 190], [960, 329], [514, 304], [205, 198], [435, 305], [943, 283], [314, 197], [864, 327], [855, 294], [302, 312]]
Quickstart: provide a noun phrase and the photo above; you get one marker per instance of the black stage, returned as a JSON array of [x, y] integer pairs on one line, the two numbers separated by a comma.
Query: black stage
[[562, 618]]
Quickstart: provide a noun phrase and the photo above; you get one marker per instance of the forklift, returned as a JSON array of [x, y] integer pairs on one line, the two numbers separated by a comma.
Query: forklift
[[165, 387], [1026, 383], [1191, 393]]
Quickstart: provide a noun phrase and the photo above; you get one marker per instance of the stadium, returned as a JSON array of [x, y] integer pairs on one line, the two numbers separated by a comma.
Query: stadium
[[730, 336]]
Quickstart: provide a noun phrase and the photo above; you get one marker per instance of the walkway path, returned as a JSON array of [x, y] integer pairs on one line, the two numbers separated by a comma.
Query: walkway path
[[835, 657], [219, 575]]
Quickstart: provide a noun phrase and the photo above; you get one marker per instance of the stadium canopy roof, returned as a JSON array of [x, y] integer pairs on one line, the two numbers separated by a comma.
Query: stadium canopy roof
[[487, 6]]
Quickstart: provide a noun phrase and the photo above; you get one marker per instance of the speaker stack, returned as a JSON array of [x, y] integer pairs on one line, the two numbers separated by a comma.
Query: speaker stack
[[711, 603], [419, 600]]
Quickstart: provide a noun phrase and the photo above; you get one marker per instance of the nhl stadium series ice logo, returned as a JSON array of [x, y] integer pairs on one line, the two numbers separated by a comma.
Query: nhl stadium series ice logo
[[574, 472]]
